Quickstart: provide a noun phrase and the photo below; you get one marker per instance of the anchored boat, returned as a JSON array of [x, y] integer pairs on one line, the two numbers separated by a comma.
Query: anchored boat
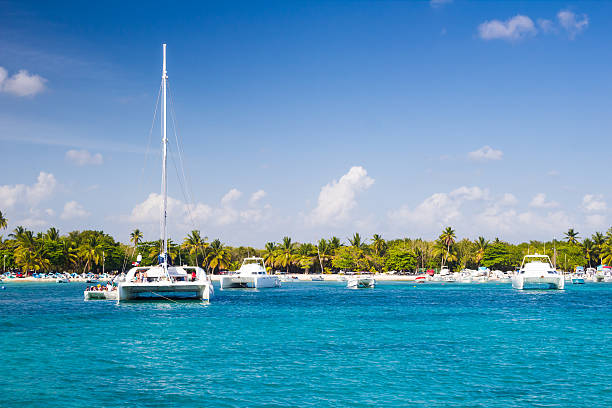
[[165, 281], [537, 272], [252, 274], [361, 282]]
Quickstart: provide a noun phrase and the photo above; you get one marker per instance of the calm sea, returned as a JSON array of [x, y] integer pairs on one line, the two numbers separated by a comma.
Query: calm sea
[[310, 344]]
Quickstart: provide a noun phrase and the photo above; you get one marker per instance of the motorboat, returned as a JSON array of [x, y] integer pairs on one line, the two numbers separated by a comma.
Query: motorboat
[[360, 282], [99, 292], [578, 277], [536, 272], [252, 274], [165, 281], [317, 279], [602, 273]]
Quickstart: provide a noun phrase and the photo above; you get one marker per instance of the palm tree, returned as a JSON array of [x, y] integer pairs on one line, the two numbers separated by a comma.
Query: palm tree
[[606, 253], [447, 238], [306, 256], [17, 232], [571, 236], [599, 241], [31, 260], [378, 244], [217, 256], [90, 252], [324, 252], [52, 234], [589, 249], [136, 236], [3, 221], [285, 256], [195, 245], [26, 239], [334, 243], [481, 247], [356, 241], [269, 254], [69, 253]]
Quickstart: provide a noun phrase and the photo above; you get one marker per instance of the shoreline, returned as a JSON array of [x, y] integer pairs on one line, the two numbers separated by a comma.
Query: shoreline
[[294, 277]]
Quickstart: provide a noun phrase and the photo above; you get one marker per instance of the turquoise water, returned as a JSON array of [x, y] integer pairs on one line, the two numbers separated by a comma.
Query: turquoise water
[[310, 344]]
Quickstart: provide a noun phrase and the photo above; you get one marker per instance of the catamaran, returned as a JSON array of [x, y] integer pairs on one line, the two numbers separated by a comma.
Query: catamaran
[[252, 274], [165, 281], [536, 272]]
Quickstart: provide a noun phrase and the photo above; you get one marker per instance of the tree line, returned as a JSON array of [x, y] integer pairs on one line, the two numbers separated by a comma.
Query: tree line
[[85, 251]]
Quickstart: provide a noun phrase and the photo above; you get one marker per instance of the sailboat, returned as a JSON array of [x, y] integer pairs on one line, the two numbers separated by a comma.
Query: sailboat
[[165, 281]]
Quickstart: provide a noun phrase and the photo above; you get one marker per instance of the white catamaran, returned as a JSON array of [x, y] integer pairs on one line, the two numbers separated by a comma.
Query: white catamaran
[[537, 272], [165, 281]]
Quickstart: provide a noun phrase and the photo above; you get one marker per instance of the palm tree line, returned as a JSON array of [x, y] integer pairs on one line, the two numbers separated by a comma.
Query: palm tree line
[[84, 251]]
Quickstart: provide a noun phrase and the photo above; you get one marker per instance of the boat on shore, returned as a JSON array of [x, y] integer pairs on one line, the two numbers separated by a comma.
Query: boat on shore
[[361, 282], [537, 272], [165, 281], [252, 274]]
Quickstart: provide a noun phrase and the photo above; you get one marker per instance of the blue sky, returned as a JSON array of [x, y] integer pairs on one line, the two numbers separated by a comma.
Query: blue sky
[[309, 119]]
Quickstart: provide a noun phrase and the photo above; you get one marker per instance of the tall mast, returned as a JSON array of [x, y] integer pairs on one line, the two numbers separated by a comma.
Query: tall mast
[[164, 235]]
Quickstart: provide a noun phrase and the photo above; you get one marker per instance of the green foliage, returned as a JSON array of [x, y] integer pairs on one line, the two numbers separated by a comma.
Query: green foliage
[[400, 259], [501, 256]]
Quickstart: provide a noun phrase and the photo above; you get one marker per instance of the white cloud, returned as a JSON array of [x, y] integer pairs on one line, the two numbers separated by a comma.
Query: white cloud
[[508, 200], [50, 212], [591, 202], [73, 209], [547, 26], [439, 208], [486, 153], [256, 196], [32, 222], [337, 199], [231, 196], [572, 23], [149, 211], [22, 83], [513, 29], [439, 3], [34, 194], [539, 201], [84, 157]]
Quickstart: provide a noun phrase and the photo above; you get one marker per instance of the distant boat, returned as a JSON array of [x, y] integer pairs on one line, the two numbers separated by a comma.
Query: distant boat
[[537, 272], [317, 279], [360, 282], [252, 274], [164, 281]]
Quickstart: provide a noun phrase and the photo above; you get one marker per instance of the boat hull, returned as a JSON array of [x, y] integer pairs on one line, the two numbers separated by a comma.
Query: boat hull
[[100, 295], [253, 282], [542, 282], [164, 290], [361, 283]]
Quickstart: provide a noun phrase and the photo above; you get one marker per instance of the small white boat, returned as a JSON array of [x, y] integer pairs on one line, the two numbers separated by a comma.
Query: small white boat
[[537, 272], [252, 274], [101, 294], [360, 282], [62, 279], [317, 279]]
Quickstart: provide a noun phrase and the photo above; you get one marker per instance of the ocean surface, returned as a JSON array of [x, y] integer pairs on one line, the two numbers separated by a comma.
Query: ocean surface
[[310, 345]]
